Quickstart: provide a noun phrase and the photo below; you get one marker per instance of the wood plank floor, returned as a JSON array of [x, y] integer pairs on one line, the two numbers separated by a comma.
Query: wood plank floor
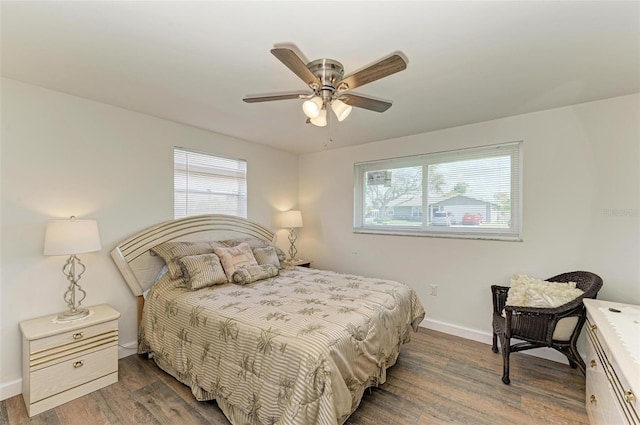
[[439, 379]]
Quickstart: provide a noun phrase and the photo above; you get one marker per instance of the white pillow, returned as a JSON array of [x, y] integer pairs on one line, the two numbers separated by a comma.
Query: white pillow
[[529, 292]]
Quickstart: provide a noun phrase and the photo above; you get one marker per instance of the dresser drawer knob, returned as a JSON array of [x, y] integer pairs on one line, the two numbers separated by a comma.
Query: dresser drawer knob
[[629, 397], [592, 363], [593, 328], [592, 399], [78, 335], [78, 364]]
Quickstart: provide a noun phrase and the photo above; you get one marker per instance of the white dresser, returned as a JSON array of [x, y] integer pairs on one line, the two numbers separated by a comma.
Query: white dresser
[[613, 363], [63, 361]]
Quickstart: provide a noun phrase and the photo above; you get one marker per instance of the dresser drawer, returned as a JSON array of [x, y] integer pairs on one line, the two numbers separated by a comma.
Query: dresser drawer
[[70, 337], [627, 399], [611, 373], [73, 372], [595, 336], [600, 402]]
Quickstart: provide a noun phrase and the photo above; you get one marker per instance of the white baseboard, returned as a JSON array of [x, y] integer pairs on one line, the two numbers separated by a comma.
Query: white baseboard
[[10, 389], [14, 388], [486, 338], [127, 349]]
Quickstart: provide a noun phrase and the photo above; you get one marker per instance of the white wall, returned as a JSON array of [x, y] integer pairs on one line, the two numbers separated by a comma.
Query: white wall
[[62, 156], [581, 211]]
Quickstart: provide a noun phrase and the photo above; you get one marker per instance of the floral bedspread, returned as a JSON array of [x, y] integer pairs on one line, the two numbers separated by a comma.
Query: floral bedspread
[[296, 349]]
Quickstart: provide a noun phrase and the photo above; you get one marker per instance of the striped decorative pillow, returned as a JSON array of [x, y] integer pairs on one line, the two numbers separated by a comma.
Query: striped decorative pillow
[[255, 243], [200, 271], [171, 252], [267, 255], [251, 274]]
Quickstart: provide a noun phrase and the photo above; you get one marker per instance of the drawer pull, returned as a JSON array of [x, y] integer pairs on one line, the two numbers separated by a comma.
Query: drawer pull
[[78, 364], [78, 335], [592, 363], [593, 328], [629, 397], [592, 399]]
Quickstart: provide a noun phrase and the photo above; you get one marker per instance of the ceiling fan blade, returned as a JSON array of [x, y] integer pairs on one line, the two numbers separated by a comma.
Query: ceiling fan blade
[[269, 98], [383, 68], [292, 61], [365, 102]]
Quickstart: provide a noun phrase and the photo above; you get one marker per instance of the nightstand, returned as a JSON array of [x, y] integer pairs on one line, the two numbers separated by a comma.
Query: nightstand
[[62, 361], [301, 263]]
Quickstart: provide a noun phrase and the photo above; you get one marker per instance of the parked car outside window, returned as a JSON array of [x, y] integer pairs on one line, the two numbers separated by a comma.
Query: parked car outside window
[[472, 219], [442, 218]]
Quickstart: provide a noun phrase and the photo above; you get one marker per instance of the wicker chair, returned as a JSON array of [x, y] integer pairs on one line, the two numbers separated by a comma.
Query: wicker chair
[[536, 326]]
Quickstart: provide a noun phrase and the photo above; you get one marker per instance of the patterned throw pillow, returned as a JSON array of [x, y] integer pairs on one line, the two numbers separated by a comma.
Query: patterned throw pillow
[[267, 255], [255, 243], [200, 271], [235, 257], [171, 252], [251, 274]]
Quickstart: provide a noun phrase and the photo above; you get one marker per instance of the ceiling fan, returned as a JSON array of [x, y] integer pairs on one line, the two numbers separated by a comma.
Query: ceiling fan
[[329, 89]]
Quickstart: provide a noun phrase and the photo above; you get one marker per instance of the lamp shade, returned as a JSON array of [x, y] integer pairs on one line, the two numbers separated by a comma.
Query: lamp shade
[[341, 109], [321, 119], [68, 237], [291, 219], [312, 107]]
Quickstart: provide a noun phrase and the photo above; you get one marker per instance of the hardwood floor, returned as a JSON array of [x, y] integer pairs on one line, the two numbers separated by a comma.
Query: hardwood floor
[[439, 379]]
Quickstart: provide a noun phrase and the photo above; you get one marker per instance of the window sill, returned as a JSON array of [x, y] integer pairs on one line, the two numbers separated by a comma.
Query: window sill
[[432, 233]]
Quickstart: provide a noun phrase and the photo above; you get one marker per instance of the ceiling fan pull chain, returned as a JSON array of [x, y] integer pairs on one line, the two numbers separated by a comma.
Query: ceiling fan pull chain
[[330, 123]]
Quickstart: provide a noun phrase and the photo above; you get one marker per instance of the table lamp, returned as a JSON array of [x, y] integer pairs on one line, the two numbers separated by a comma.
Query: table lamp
[[291, 220], [71, 237]]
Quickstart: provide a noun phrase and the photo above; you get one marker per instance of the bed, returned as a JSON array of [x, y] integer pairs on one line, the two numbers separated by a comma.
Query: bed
[[294, 346]]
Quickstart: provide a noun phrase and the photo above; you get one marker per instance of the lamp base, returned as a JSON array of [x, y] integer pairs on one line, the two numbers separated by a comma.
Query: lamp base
[[70, 315]]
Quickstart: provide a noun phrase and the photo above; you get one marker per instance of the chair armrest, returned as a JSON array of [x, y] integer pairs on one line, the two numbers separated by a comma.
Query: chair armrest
[[499, 297], [571, 308]]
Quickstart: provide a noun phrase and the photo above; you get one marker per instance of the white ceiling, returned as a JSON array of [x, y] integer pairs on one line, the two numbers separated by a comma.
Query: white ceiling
[[193, 62]]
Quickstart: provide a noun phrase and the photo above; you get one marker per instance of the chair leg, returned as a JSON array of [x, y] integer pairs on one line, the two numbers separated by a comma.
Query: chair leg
[[575, 360], [494, 347], [506, 349]]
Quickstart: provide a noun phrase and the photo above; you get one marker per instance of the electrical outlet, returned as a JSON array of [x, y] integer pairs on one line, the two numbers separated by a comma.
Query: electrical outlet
[[433, 290]]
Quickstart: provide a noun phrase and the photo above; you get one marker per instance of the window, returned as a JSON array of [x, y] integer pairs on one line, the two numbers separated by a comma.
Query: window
[[208, 184], [467, 193]]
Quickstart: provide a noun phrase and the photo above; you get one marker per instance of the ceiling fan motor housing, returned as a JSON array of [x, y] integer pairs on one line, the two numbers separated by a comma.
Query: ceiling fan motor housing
[[329, 72]]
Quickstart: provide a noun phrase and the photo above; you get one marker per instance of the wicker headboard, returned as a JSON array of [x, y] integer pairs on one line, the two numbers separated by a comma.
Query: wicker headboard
[[139, 266]]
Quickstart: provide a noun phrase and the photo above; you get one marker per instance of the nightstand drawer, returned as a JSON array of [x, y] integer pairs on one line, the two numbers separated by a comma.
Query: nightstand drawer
[[78, 370], [46, 357], [72, 336]]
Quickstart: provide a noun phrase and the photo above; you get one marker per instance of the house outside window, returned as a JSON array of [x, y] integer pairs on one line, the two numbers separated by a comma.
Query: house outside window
[[208, 184], [466, 193]]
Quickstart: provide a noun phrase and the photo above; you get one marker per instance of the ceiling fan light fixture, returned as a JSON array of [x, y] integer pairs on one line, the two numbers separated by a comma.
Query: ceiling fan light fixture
[[341, 109], [312, 107], [321, 119]]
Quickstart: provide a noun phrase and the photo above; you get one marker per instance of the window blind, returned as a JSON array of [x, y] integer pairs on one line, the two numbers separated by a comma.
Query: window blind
[[208, 184]]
